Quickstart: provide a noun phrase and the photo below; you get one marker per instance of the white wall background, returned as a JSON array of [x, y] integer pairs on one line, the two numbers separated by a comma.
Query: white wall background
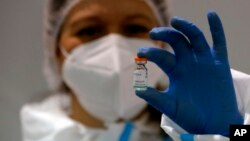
[[21, 53], [236, 20]]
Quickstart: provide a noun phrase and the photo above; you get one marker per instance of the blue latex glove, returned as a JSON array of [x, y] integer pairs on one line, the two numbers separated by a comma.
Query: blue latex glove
[[201, 96]]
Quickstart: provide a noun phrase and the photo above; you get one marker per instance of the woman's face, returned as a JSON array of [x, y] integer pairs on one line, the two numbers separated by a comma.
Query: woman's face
[[92, 19]]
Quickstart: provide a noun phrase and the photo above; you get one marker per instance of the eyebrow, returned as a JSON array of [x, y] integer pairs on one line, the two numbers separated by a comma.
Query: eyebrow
[[142, 16], [85, 19], [97, 19]]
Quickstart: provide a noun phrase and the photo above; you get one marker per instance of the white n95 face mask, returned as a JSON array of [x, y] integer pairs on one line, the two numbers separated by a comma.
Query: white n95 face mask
[[100, 73]]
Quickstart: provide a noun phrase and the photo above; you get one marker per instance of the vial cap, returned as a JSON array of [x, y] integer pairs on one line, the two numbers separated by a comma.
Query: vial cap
[[140, 59]]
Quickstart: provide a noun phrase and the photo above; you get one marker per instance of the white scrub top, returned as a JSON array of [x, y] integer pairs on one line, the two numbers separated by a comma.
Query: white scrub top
[[49, 121], [242, 89]]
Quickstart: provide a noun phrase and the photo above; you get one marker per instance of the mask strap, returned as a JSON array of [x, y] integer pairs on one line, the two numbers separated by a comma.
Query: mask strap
[[64, 52]]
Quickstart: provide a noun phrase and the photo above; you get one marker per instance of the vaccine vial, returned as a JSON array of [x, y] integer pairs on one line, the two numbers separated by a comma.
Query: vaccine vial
[[140, 74]]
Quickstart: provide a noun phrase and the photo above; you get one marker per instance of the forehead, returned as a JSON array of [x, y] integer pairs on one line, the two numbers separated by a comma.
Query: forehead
[[110, 9]]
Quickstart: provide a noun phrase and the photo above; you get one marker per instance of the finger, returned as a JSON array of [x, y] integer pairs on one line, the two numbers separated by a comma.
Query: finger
[[177, 41], [161, 101], [219, 40], [196, 38], [164, 59]]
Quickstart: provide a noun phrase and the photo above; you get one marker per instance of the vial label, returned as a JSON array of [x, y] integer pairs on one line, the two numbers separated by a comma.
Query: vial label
[[140, 79]]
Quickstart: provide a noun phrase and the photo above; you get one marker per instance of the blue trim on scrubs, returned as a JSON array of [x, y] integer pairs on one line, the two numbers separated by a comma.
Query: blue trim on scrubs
[[187, 137], [127, 131]]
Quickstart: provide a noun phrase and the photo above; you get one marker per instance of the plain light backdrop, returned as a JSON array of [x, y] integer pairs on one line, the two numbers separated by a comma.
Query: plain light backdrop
[[21, 53]]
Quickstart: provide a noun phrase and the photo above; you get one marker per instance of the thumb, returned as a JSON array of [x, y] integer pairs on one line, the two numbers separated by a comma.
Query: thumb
[[162, 101]]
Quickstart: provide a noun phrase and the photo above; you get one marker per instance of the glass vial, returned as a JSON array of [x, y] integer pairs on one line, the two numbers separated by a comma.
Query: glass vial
[[140, 74]]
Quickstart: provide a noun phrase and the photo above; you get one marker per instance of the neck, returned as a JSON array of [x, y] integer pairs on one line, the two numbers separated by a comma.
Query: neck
[[81, 115]]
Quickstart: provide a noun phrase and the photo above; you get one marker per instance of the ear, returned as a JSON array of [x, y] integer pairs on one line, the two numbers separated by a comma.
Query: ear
[[59, 58]]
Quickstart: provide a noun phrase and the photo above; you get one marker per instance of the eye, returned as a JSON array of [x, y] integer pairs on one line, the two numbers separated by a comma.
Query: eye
[[136, 30], [90, 32]]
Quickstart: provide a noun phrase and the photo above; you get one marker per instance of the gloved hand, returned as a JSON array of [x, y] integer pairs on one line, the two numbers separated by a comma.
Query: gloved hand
[[201, 96]]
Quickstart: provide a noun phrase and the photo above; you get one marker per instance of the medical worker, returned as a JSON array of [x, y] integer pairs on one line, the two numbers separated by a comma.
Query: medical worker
[[90, 46], [89, 52]]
